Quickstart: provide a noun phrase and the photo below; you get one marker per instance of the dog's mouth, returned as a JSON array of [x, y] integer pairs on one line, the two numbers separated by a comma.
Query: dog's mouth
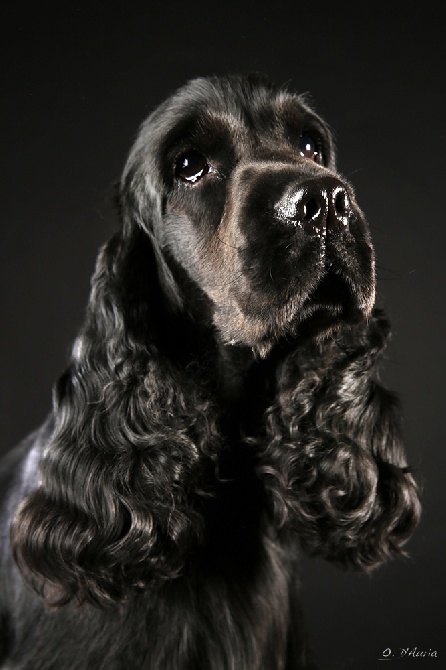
[[332, 302], [335, 296], [331, 292]]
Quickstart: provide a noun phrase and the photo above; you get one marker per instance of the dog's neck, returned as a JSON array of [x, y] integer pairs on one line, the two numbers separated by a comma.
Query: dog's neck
[[246, 386], [234, 366]]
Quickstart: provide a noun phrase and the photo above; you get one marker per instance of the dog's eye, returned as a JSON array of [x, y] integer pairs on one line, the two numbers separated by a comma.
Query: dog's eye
[[191, 167], [308, 147]]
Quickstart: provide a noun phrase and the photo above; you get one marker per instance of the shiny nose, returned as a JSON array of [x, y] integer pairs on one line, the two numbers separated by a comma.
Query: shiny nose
[[317, 206]]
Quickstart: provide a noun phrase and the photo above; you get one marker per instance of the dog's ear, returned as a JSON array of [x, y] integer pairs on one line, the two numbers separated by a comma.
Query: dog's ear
[[113, 509], [334, 464]]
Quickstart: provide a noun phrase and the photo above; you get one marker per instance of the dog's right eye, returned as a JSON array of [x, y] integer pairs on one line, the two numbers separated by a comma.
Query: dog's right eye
[[191, 167], [309, 148]]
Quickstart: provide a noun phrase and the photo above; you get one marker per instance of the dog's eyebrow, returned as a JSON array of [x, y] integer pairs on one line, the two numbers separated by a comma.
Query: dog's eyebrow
[[294, 110]]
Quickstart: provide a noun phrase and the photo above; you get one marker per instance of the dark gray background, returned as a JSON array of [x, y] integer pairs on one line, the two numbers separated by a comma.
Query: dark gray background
[[78, 80]]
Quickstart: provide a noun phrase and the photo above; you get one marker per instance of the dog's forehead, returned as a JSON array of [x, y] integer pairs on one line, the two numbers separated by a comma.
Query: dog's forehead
[[238, 104]]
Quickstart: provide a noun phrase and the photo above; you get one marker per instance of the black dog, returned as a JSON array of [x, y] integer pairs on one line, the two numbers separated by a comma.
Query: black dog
[[220, 408]]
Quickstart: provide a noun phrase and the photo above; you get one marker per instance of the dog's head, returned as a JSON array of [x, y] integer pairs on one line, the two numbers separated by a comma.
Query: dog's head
[[254, 230]]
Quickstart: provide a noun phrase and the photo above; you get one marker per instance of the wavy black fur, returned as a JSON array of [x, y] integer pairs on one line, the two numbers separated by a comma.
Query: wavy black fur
[[221, 405]]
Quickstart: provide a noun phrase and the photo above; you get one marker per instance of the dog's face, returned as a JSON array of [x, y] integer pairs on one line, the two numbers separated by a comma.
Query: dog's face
[[235, 182]]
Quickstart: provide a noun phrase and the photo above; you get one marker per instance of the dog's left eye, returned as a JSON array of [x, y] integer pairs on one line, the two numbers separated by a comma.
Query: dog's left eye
[[191, 166], [308, 147]]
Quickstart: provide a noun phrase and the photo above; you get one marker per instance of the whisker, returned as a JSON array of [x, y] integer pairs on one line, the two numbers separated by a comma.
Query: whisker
[[232, 281], [353, 172], [395, 275], [225, 243]]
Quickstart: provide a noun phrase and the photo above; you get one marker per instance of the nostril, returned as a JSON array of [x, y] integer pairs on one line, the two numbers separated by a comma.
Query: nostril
[[341, 203], [311, 209]]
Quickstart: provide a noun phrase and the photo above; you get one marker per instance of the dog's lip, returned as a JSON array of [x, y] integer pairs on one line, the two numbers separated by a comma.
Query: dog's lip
[[333, 297], [332, 290]]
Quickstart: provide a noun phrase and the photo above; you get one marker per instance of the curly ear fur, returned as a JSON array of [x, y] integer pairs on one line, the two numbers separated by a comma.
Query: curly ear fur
[[334, 462], [118, 504], [132, 435]]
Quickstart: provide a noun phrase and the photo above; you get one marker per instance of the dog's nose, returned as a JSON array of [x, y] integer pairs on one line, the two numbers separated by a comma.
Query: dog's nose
[[317, 206]]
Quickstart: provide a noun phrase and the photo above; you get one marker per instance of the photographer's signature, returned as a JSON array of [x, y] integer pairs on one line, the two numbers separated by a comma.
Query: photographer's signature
[[407, 652]]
